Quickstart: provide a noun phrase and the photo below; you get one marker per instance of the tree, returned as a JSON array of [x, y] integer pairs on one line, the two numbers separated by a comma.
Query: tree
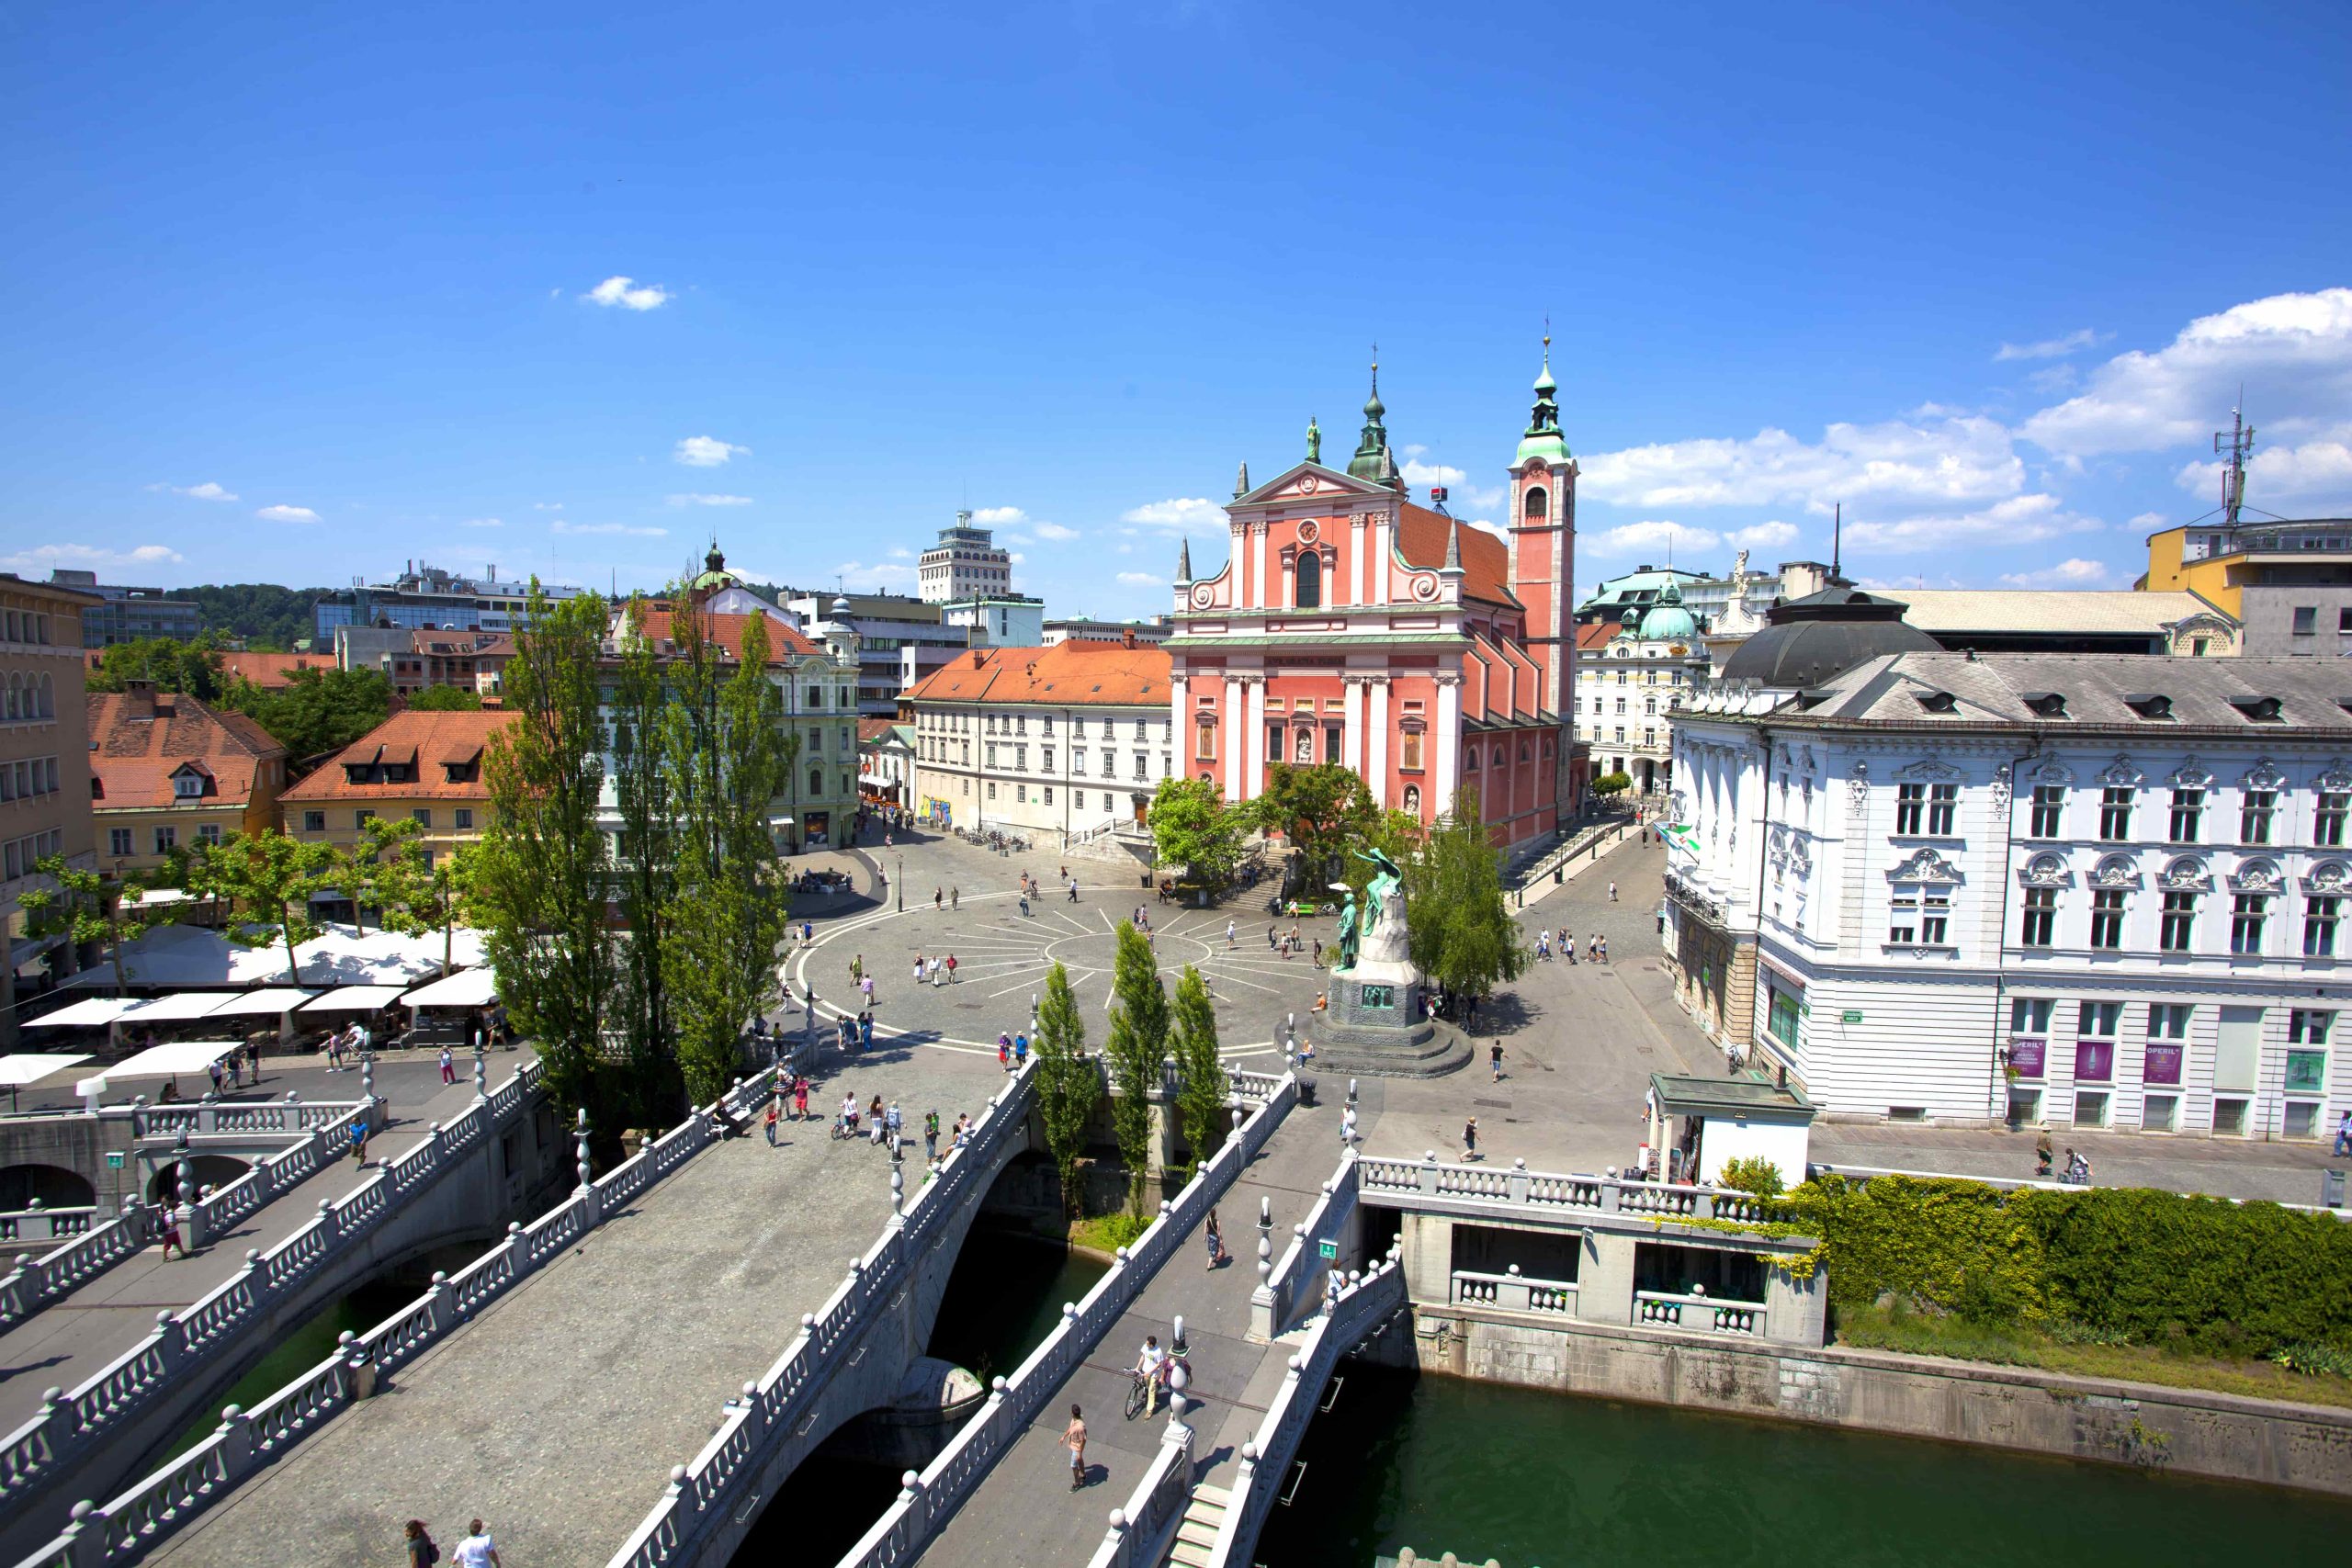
[[1193, 826], [1069, 1086], [1324, 810], [270, 618], [644, 870], [84, 906], [1461, 932], [1137, 1047], [544, 866], [414, 893], [723, 768], [317, 711], [373, 871], [193, 668], [1612, 784], [1201, 1074], [268, 879], [445, 699]]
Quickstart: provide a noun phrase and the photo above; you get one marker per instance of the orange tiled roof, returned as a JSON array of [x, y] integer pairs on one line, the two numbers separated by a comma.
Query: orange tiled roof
[[728, 632], [132, 759], [1485, 560], [1079, 672], [431, 742], [269, 669], [1594, 634]]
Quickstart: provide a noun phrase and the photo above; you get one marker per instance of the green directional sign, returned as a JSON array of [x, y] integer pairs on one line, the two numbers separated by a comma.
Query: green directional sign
[[1328, 1249], [1852, 1015]]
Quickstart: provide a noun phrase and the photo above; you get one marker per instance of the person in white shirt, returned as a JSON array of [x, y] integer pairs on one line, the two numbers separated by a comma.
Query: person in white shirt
[[476, 1550], [1152, 1366]]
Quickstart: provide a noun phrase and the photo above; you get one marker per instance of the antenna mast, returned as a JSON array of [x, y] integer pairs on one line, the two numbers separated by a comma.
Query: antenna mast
[[2234, 443]]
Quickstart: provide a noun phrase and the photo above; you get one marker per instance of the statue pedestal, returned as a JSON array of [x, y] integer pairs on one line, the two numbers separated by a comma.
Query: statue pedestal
[[1374, 1026]]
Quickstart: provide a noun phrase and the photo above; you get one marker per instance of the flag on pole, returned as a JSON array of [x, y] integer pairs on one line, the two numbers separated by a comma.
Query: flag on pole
[[1679, 836]]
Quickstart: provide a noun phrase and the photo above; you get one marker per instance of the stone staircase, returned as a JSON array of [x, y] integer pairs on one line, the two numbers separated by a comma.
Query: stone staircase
[[1197, 1531]]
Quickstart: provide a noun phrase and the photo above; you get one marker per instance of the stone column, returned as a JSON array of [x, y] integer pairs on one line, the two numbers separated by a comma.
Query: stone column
[[1447, 775], [1351, 743], [1259, 596], [1376, 723], [1253, 778], [1237, 735], [1359, 558], [1605, 1279]]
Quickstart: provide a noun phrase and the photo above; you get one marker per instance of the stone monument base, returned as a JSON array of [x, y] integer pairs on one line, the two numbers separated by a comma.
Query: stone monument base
[[1374, 1026]]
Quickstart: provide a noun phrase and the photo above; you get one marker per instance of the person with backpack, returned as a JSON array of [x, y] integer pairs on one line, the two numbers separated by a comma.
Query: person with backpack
[[421, 1553]]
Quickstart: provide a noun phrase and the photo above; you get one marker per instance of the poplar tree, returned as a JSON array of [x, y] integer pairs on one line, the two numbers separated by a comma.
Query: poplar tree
[[545, 867], [1460, 929], [1202, 1097], [1137, 1047], [643, 873], [1069, 1086]]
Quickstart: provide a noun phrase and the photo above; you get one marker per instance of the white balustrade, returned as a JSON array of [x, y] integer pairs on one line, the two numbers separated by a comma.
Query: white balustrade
[[1704, 1315]]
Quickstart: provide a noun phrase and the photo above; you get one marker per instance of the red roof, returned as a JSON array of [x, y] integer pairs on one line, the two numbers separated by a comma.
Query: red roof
[[269, 669], [1079, 672], [432, 742], [135, 749], [727, 631], [1485, 560], [1594, 634]]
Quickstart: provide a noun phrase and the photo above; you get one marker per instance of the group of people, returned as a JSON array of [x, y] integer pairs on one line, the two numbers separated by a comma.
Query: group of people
[[885, 1126], [2078, 1171], [1595, 946]]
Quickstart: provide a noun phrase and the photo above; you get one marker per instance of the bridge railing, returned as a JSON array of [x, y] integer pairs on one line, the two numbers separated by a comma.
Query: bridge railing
[[70, 1424], [715, 1485], [163, 1500], [1519, 1187], [1158, 1501], [323, 1129], [1363, 1306], [931, 1498], [1274, 1304]]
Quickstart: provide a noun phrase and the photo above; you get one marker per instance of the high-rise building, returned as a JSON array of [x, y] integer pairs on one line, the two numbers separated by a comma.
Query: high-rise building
[[428, 597], [129, 615], [964, 564]]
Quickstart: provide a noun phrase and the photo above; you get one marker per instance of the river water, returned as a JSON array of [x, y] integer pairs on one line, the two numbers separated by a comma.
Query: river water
[[1537, 1480]]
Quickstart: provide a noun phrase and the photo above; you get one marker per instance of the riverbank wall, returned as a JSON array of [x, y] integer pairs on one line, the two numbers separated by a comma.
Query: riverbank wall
[[2220, 1436]]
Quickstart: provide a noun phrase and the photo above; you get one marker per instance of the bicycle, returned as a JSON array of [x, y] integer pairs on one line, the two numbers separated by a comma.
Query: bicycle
[[844, 1127], [1138, 1395]]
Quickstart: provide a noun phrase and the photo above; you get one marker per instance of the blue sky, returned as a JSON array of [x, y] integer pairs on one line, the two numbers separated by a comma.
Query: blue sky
[[303, 293]]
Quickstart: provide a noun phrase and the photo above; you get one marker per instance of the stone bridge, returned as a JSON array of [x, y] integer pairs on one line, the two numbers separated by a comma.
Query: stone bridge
[[125, 1380]]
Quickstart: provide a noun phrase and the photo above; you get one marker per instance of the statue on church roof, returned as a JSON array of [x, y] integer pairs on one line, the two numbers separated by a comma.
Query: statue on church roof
[[1314, 440]]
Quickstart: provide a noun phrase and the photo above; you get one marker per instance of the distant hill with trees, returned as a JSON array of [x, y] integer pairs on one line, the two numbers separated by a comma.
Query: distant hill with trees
[[271, 619]]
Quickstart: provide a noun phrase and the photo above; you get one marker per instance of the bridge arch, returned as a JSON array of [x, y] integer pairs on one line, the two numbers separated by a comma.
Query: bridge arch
[[52, 1186], [215, 1171]]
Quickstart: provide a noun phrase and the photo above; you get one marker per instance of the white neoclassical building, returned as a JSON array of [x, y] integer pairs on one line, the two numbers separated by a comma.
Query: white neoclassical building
[[2087, 890]]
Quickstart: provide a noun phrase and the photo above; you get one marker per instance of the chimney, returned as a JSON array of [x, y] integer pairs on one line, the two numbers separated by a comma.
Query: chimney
[[139, 699], [1128, 636]]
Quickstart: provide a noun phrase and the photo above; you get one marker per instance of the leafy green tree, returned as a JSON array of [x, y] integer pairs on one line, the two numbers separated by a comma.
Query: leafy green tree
[[374, 870], [418, 894], [1324, 811], [317, 711], [445, 699], [637, 697], [1137, 1047], [544, 866], [1069, 1085], [1201, 1097], [1193, 826], [1612, 784], [193, 668], [1461, 930], [265, 881], [270, 618], [85, 907], [723, 769]]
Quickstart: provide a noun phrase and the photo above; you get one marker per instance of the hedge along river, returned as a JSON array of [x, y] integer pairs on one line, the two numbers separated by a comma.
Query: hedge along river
[[1537, 1480]]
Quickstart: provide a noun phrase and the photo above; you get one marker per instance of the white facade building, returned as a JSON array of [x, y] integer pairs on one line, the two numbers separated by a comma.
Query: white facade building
[[2087, 890], [966, 564]]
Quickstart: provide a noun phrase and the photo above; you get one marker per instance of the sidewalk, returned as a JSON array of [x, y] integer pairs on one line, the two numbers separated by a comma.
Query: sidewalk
[[69, 1340]]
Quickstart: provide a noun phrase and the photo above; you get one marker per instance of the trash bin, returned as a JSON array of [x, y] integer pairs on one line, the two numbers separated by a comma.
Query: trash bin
[[2331, 1190]]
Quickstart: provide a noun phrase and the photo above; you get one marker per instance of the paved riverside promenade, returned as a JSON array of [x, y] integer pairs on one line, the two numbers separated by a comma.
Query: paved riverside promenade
[[556, 1416], [82, 1333], [1025, 1511]]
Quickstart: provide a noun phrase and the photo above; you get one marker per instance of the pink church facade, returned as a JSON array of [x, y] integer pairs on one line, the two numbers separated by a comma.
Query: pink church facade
[[1350, 625]]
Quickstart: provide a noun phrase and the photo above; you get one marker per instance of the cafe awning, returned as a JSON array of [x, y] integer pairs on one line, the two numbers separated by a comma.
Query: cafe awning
[[85, 1014], [270, 1002], [466, 988], [355, 998], [27, 1068], [170, 1061], [178, 1005]]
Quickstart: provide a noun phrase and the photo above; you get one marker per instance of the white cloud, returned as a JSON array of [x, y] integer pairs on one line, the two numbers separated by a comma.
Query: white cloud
[[2293, 352], [1934, 460], [207, 490], [483, 523], [2053, 379], [1765, 535], [1053, 531], [2073, 572], [286, 514], [1420, 473], [1016, 558], [1655, 535], [44, 557], [2020, 520], [561, 526], [698, 499], [1143, 579], [2319, 470], [996, 516], [1177, 514], [626, 293], [2050, 347], [2146, 522], [900, 552], [704, 452], [875, 574], [547, 506]]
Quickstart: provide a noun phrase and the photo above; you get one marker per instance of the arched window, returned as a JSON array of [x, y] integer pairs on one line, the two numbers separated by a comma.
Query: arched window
[[1539, 506], [1310, 580], [1501, 759], [816, 780]]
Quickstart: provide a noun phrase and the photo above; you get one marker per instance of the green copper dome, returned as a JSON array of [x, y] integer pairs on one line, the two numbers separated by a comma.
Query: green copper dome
[[1543, 438], [1667, 621]]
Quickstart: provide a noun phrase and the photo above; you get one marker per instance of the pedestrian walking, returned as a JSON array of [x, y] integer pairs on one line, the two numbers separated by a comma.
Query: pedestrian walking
[[951, 968], [1494, 1059], [170, 1219], [1470, 1139], [1215, 1234], [2043, 1154], [1020, 1050], [1347, 1129], [865, 989], [421, 1552], [1073, 889], [1600, 947], [1568, 947], [931, 1135], [955, 898], [865, 1031], [1613, 893], [1228, 936], [800, 1099], [2344, 1135], [214, 1069], [448, 1067], [936, 898], [773, 1115], [857, 968], [1004, 1052], [476, 1550], [1024, 905], [359, 1142], [1543, 947], [1074, 1440]]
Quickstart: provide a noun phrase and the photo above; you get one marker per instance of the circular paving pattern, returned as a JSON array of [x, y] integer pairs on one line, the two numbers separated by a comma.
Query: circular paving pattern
[[1002, 958]]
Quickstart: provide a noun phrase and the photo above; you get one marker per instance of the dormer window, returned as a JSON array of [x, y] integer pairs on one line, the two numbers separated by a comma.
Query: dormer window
[[2258, 710], [2148, 704], [187, 787], [1939, 701], [2047, 704]]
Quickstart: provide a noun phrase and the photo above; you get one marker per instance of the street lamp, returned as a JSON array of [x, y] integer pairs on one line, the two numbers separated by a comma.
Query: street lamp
[[899, 874]]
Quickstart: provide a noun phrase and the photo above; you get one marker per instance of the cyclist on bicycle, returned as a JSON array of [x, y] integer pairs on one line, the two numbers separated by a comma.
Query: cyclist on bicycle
[[1152, 1368]]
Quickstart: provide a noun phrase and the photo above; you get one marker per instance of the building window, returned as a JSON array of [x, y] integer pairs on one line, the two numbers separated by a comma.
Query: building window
[[314, 822], [166, 840], [2188, 813], [118, 841], [2246, 923], [1408, 751], [2167, 1043], [1331, 743], [1021, 793], [2094, 1044], [187, 787], [1110, 764], [1902, 920], [1943, 805], [2106, 919], [2306, 619], [1781, 1016], [2328, 821], [991, 789], [2253, 817], [2177, 928], [1537, 507], [465, 815], [1049, 795], [1310, 580], [2048, 811], [2318, 926], [2029, 1035], [2040, 916], [1046, 758], [207, 833], [2115, 813], [424, 816]]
